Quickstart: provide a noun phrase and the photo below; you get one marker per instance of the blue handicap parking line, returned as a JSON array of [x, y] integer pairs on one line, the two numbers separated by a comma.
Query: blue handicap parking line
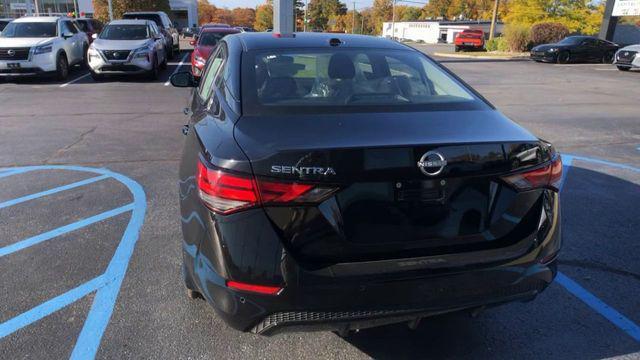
[[107, 285], [52, 191], [23, 244], [599, 306]]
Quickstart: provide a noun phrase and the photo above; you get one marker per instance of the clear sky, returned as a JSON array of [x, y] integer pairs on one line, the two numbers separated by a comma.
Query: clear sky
[[253, 3]]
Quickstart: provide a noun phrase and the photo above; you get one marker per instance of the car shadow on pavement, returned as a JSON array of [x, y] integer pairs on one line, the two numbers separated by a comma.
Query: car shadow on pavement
[[600, 227], [75, 72]]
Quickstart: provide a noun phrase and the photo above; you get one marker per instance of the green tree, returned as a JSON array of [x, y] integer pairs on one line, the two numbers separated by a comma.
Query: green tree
[[579, 16], [321, 10], [264, 17], [101, 7], [410, 13], [382, 11]]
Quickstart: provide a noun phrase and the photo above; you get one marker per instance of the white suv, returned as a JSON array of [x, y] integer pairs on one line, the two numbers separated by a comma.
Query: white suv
[[41, 45]]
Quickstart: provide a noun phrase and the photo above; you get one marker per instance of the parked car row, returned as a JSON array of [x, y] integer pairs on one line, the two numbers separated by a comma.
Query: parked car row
[[588, 49], [141, 43]]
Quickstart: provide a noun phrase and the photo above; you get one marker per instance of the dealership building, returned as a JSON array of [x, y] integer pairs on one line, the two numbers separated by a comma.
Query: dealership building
[[184, 13], [433, 31]]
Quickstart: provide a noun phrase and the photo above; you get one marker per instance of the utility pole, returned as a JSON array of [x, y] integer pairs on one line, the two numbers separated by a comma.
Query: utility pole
[[283, 21], [494, 18], [110, 11], [362, 25], [35, 4], [75, 9], [393, 20], [304, 22], [353, 25]]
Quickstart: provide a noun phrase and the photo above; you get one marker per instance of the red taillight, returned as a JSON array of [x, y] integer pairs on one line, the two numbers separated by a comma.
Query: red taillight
[[548, 176], [260, 289], [225, 193]]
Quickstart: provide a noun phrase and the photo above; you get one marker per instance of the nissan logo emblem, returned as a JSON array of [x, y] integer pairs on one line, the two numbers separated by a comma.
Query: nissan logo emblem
[[432, 163], [11, 52]]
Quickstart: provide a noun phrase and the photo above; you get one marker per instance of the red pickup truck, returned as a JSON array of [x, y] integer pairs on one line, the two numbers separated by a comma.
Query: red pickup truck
[[469, 39]]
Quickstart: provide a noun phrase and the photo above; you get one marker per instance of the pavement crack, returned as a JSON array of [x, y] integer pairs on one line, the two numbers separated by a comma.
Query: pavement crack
[[74, 143], [598, 266]]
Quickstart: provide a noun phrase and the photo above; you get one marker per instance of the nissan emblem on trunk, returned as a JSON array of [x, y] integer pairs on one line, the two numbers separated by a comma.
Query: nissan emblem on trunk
[[432, 163]]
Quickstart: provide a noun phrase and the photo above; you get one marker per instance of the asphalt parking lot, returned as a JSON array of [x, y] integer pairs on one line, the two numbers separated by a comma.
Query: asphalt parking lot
[[90, 246]]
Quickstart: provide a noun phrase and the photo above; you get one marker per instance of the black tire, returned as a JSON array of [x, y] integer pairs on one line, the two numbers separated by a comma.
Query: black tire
[[456, 48], [623, 68], [96, 76], [62, 67], [163, 65], [170, 53], [563, 57], [154, 73], [192, 293], [85, 58], [607, 58]]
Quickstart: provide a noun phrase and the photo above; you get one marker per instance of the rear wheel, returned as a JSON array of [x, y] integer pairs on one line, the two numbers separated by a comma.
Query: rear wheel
[[607, 58], [623, 68], [192, 293], [62, 67], [456, 48], [563, 57]]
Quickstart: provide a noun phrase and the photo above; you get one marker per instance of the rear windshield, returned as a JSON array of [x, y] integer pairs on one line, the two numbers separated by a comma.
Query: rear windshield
[[153, 17], [331, 80], [124, 32], [28, 29], [210, 38]]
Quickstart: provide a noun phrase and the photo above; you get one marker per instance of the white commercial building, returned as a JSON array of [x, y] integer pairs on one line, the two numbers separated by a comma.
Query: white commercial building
[[434, 31], [184, 13]]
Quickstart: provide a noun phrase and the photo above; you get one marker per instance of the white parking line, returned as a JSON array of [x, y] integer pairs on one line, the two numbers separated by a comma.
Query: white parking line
[[184, 58], [74, 80], [606, 69]]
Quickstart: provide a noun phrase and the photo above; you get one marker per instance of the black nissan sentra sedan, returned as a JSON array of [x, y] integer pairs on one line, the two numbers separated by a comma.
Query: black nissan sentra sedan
[[339, 182]]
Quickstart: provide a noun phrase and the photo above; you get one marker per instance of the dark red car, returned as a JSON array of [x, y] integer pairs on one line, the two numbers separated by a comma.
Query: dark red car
[[204, 45], [469, 40], [90, 27]]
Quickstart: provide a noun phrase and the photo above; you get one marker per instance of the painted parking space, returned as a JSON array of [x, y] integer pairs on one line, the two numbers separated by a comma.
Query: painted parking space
[[622, 322], [104, 287]]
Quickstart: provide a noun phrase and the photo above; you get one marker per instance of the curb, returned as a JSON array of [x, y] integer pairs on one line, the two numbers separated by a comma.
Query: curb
[[482, 57]]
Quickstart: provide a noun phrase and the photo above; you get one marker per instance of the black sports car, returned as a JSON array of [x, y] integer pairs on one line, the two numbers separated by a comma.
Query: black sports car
[[576, 49], [338, 182]]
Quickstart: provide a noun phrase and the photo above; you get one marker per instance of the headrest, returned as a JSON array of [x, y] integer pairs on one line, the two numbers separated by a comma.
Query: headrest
[[341, 67]]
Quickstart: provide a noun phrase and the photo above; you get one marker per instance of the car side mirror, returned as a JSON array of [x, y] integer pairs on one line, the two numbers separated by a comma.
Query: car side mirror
[[67, 34], [94, 36], [183, 79]]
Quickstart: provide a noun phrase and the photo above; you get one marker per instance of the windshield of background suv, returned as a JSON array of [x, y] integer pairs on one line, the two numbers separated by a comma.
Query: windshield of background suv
[[153, 17], [83, 25], [339, 79], [210, 38], [30, 30], [124, 32]]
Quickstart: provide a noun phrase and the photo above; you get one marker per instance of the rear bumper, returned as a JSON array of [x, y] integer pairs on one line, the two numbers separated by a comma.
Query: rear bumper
[[354, 295]]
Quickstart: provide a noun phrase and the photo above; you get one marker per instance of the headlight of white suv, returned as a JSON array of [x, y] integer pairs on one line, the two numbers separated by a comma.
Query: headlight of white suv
[[93, 53], [142, 53], [43, 49]]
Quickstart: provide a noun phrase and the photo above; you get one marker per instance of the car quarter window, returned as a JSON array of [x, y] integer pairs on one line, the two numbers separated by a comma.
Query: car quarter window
[[208, 82]]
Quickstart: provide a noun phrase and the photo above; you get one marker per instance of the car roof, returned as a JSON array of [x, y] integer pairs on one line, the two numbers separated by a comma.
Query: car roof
[[269, 40], [40, 19], [129, 22], [143, 12], [219, 30]]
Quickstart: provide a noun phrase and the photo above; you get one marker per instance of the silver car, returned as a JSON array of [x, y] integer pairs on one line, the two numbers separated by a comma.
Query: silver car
[[128, 47], [628, 58]]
